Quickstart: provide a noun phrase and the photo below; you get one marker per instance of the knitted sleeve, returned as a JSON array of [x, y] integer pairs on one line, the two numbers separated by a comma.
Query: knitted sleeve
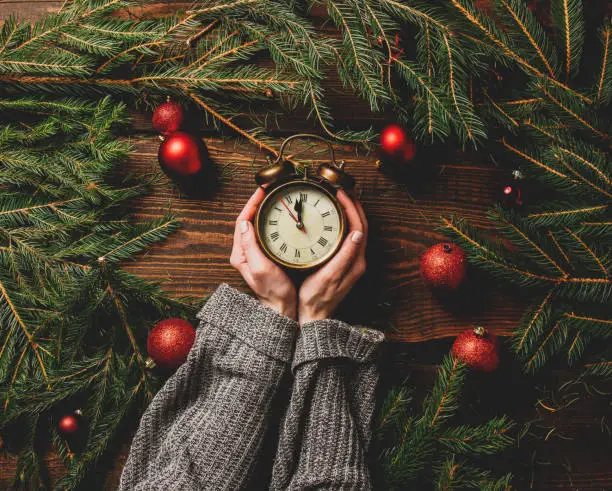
[[326, 431], [204, 428]]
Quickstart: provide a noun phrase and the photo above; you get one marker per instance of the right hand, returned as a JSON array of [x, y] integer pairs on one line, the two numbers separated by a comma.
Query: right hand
[[322, 292], [269, 282]]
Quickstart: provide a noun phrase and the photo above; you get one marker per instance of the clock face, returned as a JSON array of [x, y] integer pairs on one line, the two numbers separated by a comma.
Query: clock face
[[300, 225]]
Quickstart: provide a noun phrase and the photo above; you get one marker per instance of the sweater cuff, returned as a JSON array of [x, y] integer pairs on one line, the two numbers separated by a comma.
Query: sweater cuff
[[254, 324], [330, 338]]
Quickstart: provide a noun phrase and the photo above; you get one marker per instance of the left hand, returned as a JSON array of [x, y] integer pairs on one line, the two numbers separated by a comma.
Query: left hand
[[269, 282], [322, 291]]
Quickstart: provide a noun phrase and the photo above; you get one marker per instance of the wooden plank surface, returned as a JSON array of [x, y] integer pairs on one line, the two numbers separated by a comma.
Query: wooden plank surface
[[403, 213], [402, 217]]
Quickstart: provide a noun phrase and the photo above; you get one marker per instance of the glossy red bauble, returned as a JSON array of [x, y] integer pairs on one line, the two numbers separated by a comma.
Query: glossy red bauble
[[478, 348], [395, 145], [168, 117], [69, 424], [181, 155], [169, 342], [444, 266], [392, 139]]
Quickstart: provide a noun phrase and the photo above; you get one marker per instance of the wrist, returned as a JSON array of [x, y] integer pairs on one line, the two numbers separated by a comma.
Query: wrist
[[283, 307], [305, 317]]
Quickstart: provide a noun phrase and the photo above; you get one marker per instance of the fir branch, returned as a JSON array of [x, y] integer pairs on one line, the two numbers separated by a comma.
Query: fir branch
[[573, 114], [453, 89], [604, 86], [542, 312], [536, 162], [567, 19], [570, 214], [532, 30], [443, 400], [230, 124], [590, 252]]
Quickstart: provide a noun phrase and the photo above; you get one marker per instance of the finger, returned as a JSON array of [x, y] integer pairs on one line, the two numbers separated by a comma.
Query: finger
[[362, 215], [248, 212], [256, 260], [354, 220], [338, 266]]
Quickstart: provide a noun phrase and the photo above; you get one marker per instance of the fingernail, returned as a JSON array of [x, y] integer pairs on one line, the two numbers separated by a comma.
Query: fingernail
[[244, 226], [357, 236]]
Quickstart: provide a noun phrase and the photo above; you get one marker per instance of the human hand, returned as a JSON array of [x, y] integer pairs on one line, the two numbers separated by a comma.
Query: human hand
[[322, 292], [269, 282]]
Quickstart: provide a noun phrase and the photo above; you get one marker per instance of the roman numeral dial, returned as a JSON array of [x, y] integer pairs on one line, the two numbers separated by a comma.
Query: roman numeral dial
[[300, 243]]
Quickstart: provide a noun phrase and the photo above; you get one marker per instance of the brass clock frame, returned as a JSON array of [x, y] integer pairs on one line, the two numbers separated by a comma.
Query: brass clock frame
[[305, 181]]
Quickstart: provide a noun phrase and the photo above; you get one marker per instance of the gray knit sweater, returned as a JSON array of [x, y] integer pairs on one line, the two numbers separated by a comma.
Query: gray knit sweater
[[206, 427]]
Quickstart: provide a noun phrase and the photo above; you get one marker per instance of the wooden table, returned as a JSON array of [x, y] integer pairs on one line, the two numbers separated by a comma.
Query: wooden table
[[404, 213]]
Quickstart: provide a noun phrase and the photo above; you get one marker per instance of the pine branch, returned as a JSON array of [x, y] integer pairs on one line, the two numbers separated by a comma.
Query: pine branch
[[416, 448], [528, 26], [604, 85], [567, 19]]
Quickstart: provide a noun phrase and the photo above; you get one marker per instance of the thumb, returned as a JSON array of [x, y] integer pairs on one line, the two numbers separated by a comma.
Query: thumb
[[347, 254], [248, 242]]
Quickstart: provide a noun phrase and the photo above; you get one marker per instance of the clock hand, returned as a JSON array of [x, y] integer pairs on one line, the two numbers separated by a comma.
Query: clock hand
[[292, 215], [298, 208]]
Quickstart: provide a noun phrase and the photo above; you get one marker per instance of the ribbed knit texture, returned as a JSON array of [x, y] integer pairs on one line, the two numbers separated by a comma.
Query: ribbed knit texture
[[204, 429], [326, 430]]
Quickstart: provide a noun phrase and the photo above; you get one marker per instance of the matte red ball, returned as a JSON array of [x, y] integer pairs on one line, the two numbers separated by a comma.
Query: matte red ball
[[478, 348], [169, 342], [69, 424], [168, 117], [181, 155], [393, 138], [444, 266]]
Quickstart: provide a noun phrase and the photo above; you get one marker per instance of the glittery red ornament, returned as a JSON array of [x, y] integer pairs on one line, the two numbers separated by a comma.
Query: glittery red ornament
[[478, 348], [444, 266], [182, 155], [169, 342], [69, 424], [168, 117]]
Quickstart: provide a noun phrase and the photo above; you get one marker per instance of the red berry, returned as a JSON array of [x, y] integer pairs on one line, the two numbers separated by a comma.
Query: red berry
[[478, 348], [444, 266], [68, 424], [168, 117], [181, 155], [169, 342]]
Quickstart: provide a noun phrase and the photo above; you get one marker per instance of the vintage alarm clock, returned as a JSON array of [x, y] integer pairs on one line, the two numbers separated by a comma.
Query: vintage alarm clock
[[300, 224]]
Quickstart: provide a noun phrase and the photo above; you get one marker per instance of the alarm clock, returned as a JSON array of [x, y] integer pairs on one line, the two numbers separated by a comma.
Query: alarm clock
[[300, 224]]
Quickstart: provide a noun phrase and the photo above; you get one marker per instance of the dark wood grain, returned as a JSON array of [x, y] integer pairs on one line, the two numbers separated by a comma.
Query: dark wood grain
[[402, 217], [403, 212]]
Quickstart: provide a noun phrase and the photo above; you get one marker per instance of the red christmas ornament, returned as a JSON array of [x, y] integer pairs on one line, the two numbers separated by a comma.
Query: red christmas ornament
[[168, 117], [181, 155], [395, 145], [444, 266], [169, 343], [69, 424], [478, 348]]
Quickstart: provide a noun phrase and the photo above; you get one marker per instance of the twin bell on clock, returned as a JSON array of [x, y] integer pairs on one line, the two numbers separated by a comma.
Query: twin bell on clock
[[300, 224]]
